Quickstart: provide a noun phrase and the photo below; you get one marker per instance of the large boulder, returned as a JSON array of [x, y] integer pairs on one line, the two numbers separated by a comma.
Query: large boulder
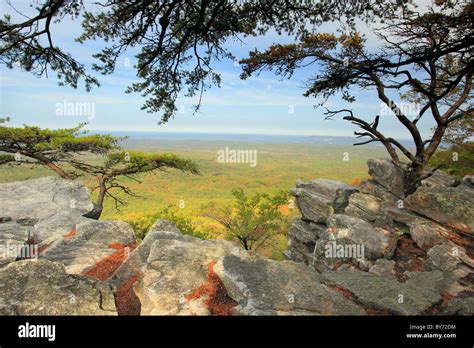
[[427, 234], [266, 287], [449, 206], [319, 199], [302, 237], [440, 179], [349, 230], [37, 212], [42, 287], [161, 229], [384, 293], [39, 199], [391, 177], [178, 276], [364, 206], [388, 175]]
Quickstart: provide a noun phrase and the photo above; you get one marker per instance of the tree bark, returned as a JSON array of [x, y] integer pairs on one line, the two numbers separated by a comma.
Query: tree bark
[[48, 163], [413, 176], [102, 192], [58, 170]]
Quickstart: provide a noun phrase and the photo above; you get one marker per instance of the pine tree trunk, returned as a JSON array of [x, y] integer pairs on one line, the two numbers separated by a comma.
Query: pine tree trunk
[[413, 177]]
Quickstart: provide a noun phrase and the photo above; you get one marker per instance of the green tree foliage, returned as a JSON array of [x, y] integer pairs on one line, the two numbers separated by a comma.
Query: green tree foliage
[[460, 131], [252, 221], [458, 159], [177, 40], [413, 57], [51, 147]]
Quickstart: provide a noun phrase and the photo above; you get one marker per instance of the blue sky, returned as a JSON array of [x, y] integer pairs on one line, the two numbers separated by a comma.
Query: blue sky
[[257, 105]]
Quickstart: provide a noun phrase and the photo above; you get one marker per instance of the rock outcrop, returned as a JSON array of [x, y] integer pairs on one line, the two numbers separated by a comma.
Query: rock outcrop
[[382, 243], [266, 287], [174, 278], [89, 242], [386, 294], [363, 250], [42, 287], [34, 213]]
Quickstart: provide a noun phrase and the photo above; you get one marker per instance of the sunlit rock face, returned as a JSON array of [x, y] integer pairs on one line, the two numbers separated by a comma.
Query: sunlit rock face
[[355, 251], [388, 242]]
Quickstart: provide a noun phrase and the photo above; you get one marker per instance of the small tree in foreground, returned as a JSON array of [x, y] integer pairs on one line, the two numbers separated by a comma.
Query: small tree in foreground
[[413, 58], [253, 221], [61, 148], [127, 164]]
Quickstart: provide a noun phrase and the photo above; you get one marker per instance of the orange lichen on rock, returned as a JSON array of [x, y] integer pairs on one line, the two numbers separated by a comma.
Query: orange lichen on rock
[[343, 291], [464, 241], [42, 247], [104, 268], [71, 233], [126, 301], [374, 311], [446, 298], [218, 301], [348, 294]]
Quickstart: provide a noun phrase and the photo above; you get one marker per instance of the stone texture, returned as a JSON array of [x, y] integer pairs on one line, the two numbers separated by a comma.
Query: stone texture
[[443, 257], [385, 173], [316, 198], [352, 230], [42, 287], [373, 188], [266, 287], [302, 237], [55, 227], [461, 306], [91, 242], [450, 206], [175, 268], [427, 234], [440, 179], [39, 199], [39, 211], [419, 293], [364, 206], [136, 262], [468, 180], [383, 267], [13, 237]]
